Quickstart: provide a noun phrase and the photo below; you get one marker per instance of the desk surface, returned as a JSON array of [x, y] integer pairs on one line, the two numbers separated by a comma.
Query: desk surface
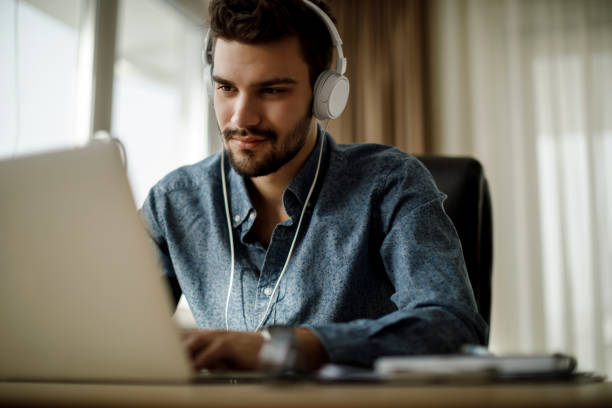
[[17, 394]]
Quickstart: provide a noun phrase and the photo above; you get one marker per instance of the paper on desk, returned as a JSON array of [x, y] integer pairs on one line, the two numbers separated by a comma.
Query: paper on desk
[[449, 365]]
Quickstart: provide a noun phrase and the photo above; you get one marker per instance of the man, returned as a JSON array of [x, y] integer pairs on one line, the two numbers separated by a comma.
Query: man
[[376, 268]]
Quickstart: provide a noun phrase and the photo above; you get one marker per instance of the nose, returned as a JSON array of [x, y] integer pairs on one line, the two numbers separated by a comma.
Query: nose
[[246, 111]]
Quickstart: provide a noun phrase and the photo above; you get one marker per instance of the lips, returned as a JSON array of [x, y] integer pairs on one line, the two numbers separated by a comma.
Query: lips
[[247, 142]]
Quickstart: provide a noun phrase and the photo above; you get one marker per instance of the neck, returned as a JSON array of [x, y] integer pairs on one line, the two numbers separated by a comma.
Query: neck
[[269, 189]]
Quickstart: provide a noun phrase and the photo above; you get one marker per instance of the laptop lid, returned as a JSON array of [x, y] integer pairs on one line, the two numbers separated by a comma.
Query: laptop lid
[[81, 295]]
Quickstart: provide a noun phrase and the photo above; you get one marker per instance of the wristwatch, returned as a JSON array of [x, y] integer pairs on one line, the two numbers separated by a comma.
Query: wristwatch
[[279, 352]]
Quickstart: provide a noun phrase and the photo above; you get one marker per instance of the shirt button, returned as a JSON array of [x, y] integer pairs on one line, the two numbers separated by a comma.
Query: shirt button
[[252, 216], [268, 291], [236, 218]]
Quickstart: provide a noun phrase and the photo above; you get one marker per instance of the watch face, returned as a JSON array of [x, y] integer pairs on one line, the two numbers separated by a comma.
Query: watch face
[[279, 351]]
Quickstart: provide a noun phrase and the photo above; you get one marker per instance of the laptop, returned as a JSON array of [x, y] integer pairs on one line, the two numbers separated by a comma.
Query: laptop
[[81, 294]]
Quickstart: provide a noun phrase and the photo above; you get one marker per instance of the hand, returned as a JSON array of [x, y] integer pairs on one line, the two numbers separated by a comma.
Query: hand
[[223, 350], [234, 350]]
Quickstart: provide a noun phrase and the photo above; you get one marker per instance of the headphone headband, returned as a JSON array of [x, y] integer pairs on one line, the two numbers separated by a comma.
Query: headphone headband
[[335, 36], [331, 27]]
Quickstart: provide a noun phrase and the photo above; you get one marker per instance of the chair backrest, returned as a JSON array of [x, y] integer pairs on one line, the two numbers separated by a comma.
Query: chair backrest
[[469, 207]]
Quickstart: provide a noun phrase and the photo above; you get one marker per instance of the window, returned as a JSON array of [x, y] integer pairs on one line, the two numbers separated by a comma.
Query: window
[[570, 64], [159, 102], [41, 52]]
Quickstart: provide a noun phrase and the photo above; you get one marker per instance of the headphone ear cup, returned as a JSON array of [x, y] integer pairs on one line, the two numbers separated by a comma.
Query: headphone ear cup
[[330, 95]]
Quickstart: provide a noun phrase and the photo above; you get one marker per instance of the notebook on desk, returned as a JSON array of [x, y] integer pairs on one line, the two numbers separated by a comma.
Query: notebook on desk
[[81, 296]]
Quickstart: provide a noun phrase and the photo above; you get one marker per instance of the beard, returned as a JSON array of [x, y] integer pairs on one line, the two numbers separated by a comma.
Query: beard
[[247, 164]]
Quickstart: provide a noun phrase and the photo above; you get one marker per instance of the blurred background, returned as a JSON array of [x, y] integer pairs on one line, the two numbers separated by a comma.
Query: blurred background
[[523, 86]]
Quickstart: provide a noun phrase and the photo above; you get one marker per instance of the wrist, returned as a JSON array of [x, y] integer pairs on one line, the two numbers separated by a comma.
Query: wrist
[[311, 353], [291, 349]]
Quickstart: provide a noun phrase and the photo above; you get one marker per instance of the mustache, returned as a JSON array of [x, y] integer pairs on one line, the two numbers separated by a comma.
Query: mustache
[[228, 133]]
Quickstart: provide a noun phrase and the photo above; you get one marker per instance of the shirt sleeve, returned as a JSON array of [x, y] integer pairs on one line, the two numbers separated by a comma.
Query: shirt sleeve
[[149, 213], [422, 256]]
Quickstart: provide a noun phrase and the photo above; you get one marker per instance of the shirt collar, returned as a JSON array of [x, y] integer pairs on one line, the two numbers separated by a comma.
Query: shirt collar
[[240, 202]]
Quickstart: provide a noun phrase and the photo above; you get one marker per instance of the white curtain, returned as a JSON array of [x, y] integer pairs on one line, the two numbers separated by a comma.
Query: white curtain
[[46, 57], [526, 87]]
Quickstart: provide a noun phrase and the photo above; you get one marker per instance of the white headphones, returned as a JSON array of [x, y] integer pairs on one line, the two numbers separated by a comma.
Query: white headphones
[[330, 95], [331, 89]]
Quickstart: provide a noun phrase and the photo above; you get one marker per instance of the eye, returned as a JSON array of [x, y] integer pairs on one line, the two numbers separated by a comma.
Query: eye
[[273, 91], [225, 88]]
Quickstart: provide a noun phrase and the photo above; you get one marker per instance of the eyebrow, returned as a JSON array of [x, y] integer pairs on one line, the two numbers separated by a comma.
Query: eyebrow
[[262, 84]]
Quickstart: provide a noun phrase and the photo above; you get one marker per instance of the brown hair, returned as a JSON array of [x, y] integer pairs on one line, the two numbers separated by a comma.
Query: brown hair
[[261, 21]]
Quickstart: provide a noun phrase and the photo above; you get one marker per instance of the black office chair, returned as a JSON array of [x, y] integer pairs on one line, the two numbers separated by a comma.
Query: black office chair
[[469, 207]]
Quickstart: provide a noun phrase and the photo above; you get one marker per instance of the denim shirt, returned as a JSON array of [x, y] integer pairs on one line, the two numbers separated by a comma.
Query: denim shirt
[[377, 268]]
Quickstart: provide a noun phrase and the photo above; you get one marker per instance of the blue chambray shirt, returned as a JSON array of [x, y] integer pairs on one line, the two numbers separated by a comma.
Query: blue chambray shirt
[[377, 268]]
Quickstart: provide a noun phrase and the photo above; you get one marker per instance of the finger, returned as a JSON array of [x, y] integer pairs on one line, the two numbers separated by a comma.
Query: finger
[[198, 340], [220, 365], [212, 356], [185, 334]]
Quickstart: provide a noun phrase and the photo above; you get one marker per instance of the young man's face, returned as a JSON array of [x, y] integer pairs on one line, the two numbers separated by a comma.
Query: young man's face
[[262, 100]]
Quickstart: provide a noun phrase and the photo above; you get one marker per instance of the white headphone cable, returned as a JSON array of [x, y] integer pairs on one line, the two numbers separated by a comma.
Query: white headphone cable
[[231, 239], [297, 232]]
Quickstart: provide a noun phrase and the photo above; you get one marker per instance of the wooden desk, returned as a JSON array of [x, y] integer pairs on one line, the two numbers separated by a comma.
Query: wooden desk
[[305, 395]]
